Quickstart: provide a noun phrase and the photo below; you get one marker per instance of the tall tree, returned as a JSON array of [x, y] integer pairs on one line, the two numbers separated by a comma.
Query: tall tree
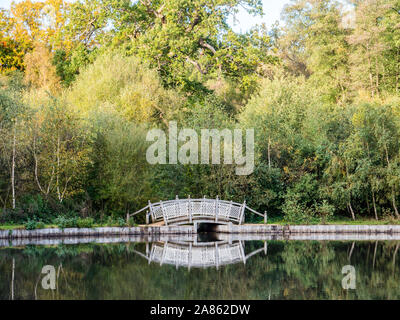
[[314, 43], [177, 37], [12, 118]]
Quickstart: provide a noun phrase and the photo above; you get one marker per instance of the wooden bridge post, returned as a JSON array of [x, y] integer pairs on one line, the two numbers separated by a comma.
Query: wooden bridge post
[[230, 210], [164, 214], [265, 217], [203, 205], [176, 207], [147, 217], [216, 209], [241, 219], [151, 211], [190, 210]]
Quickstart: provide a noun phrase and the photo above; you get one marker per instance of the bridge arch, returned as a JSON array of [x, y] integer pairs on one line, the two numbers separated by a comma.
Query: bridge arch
[[194, 211]]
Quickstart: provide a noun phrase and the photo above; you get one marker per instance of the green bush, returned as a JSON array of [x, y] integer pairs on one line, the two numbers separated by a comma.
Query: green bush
[[85, 222], [73, 222], [132, 222], [121, 222], [16, 216], [295, 212], [64, 222], [40, 225], [31, 225], [126, 84], [325, 211]]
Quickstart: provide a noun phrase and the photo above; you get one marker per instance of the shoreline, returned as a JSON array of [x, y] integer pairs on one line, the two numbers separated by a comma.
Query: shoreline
[[189, 230], [308, 229]]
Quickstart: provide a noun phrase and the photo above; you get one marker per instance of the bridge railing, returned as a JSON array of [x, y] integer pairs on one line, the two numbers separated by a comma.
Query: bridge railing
[[188, 210], [180, 211]]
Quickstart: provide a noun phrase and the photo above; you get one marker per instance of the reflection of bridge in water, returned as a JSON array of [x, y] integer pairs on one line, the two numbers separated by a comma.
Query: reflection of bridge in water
[[188, 211], [198, 254]]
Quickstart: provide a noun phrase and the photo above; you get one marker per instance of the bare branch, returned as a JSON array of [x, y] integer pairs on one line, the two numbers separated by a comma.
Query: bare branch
[[65, 189], [36, 165], [212, 49], [194, 23], [156, 13], [197, 65], [208, 46]]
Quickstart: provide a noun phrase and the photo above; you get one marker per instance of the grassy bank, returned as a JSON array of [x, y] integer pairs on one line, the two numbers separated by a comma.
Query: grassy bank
[[275, 220], [335, 221], [63, 225]]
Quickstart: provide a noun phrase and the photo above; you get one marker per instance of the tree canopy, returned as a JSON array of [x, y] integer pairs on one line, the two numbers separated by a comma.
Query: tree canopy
[[82, 82]]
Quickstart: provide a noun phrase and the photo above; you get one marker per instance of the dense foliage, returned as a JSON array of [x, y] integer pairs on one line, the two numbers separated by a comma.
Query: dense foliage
[[83, 82]]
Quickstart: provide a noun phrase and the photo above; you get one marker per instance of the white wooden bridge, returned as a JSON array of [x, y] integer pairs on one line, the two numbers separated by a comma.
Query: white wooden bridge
[[198, 254], [188, 211]]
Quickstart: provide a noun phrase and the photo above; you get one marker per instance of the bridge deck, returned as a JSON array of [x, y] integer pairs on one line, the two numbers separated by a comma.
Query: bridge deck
[[187, 211]]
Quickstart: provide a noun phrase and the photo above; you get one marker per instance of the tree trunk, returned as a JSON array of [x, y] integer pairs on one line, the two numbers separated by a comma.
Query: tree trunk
[[351, 210], [374, 204], [13, 168], [377, 74], [371, 81], [394, 203], [393, 191], [269, 152], [36, 167], [58, 168], [397, 71]]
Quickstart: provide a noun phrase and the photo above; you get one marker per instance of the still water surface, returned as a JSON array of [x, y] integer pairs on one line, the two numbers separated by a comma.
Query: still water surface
[[205, 268]]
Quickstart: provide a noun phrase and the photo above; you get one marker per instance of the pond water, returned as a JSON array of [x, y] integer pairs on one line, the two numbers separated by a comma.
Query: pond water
[[202, 268]]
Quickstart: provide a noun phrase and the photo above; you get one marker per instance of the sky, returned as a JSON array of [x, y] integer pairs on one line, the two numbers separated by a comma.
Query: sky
[[272, 11], [242, 22]]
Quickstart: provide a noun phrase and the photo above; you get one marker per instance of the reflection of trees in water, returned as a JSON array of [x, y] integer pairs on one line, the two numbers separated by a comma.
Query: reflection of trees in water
[[314, 270], [293, 269]]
